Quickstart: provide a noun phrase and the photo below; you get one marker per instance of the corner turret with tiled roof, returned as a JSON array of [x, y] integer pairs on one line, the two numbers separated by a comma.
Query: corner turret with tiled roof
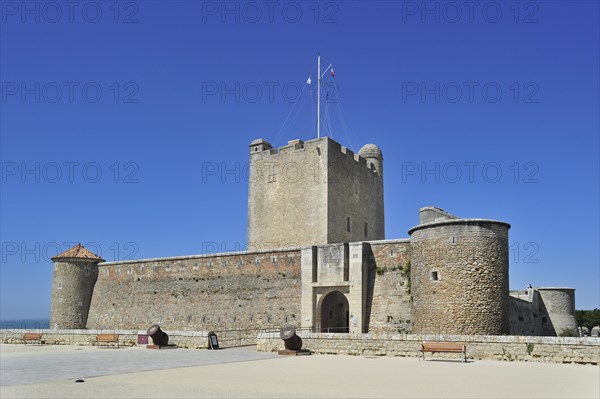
[[78, 252], [75, 275]]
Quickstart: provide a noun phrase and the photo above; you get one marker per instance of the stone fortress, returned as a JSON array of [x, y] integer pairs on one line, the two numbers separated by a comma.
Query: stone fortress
[[317, 258]]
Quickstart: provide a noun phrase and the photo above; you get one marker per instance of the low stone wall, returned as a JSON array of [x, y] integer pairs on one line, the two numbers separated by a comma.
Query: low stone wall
[[183, 339], [582, 350]]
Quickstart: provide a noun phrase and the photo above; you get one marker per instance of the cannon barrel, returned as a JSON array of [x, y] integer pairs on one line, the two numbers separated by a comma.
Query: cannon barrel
[[290, 339], [159, 337]]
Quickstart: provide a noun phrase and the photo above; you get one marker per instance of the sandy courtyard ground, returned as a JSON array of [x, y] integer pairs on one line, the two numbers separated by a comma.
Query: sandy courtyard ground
[[51, 371]]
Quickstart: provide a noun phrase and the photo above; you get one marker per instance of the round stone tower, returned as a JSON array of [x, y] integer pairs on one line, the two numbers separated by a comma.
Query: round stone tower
[[373, 154], [459, 274], [557, 310], [75, 274]]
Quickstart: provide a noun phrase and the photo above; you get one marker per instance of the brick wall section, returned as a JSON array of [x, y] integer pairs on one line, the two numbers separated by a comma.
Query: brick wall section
[[507, 348], [389, 304], [242, 290]]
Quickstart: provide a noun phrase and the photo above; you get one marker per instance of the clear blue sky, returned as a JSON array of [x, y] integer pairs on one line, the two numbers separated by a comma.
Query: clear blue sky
[[151, 93]]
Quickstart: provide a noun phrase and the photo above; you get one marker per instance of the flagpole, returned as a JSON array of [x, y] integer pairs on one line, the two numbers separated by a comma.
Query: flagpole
[[319, 96]]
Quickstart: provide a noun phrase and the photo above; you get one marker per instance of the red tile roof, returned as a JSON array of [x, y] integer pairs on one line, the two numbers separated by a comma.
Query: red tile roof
[[78, 252]]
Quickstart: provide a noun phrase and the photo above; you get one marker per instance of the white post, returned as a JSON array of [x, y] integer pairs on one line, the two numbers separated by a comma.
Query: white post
[[319, 96]]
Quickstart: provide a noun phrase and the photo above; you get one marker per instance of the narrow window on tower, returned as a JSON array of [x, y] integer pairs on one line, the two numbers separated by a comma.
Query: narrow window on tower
[[348, 224], [366, 229]]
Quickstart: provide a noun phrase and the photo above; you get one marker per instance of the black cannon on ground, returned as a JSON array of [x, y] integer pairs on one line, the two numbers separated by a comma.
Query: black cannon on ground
[[291, 340], [159, 337]]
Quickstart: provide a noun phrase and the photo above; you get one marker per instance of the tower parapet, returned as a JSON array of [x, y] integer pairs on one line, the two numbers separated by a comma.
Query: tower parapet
[[74, 277]]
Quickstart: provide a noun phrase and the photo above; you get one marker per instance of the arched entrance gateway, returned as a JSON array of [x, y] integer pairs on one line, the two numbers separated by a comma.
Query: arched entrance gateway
[[335, 313]]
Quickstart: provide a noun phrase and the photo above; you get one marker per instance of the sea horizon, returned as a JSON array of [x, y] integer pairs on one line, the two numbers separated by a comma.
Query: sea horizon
[[30, 323]]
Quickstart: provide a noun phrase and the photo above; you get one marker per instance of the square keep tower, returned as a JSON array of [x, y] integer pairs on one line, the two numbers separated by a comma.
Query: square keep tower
[[313, 193]]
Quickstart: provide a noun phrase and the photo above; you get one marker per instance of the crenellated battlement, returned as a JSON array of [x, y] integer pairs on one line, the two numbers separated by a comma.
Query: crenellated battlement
[[263, 148]]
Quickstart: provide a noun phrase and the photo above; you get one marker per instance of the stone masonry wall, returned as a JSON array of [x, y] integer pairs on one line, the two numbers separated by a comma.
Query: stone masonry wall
[[355, 191], [460, 277], [183, 339], [479, 347], [524, 314], [287, 196], [388, 299], [557, 310], [302, 194], [210, 292], [72, 286]]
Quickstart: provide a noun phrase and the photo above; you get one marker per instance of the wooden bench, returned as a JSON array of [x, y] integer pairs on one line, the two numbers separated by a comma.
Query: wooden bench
[[32, 338], [107, 339], [450, 347]]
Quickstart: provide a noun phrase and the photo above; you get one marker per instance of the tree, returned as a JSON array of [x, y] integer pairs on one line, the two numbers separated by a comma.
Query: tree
[[588, 318]]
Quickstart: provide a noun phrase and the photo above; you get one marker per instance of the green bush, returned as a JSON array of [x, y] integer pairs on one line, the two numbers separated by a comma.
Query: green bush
[[568, 332]]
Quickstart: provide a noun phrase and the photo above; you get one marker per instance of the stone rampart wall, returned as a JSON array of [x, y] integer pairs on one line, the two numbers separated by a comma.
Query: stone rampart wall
[[479, 347], [249, 290], [389, 307]]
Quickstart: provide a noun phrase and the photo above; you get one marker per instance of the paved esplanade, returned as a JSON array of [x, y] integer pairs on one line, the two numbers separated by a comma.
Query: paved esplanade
[[50, 372]]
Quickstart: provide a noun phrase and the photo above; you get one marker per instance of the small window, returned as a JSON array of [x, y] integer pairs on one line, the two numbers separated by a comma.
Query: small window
[[390, 319], [544, 320], [203, 319], [59, 286], [435, 276], [366, 227], [348, 224], [189, 319], [330, 314]]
